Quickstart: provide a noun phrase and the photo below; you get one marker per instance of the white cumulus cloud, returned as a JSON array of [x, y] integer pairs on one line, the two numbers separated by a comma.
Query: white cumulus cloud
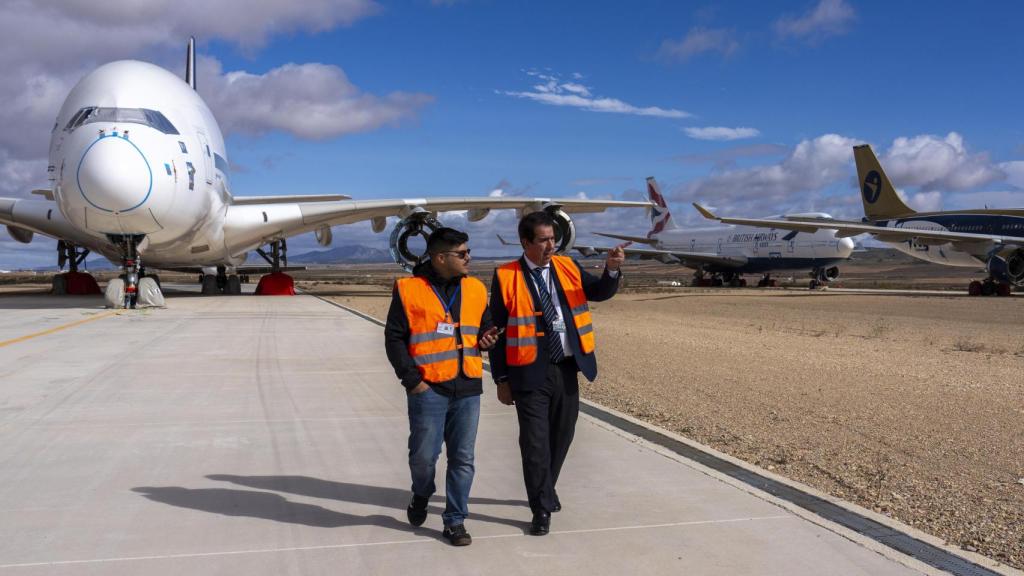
[[938, 163]]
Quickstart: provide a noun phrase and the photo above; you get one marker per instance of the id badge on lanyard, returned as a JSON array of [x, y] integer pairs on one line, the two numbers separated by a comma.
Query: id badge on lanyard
[[447, 327]]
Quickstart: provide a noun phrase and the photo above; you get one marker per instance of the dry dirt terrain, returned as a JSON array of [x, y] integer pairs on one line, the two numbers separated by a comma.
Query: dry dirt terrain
[[912, 406]]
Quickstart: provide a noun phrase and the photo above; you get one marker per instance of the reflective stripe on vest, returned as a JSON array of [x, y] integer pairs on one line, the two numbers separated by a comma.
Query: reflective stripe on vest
[[437, 355], [521, 332]]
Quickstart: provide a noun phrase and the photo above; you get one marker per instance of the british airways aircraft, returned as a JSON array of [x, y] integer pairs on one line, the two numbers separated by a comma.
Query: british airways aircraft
[[722, 254], [139, 173]]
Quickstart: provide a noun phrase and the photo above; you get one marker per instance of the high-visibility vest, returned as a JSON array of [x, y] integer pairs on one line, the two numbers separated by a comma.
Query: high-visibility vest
[[437, 355], [523, 321]]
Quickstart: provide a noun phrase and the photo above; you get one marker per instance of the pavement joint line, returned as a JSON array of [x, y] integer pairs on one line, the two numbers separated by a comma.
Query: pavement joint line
[[388, 543], [59, 328], [214, 423], [828, 509]]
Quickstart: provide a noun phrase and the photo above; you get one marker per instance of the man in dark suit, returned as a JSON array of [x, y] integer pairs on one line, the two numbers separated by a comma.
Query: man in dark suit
[[541, 299]]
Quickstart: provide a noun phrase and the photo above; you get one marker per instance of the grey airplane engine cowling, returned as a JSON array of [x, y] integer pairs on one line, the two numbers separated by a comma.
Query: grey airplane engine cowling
[[418, 224], [565, 230], [829, 274], [20, 234], [324, 236], [1006, 264]]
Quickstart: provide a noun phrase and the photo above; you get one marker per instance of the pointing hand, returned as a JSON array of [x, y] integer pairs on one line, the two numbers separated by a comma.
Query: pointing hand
[[616, 256]]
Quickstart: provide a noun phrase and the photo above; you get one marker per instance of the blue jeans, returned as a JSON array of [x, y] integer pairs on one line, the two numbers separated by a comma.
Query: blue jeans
[[434, 418]]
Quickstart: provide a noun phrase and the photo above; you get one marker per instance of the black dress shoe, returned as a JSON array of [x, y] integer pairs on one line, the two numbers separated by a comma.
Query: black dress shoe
[[417, 510], [541, 523], [457, 535]]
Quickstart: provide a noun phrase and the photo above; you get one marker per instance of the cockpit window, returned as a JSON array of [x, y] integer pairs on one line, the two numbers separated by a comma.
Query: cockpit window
[[146, 117]]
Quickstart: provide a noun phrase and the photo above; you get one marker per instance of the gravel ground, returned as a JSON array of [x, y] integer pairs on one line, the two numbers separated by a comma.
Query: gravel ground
[[909, 406]]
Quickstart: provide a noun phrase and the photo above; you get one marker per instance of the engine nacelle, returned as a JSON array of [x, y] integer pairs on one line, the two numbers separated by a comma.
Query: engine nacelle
[[20, 234], [417, 224], [826, 275], [324, 236], [565, 230], [1006, 264]]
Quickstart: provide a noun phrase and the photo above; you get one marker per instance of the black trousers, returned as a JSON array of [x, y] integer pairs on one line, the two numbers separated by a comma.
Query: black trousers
[[547, 423]]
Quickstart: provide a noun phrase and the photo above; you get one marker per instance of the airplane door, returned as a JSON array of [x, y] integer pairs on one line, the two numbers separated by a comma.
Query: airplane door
[[719, 246], [792, 246], [207, 157]]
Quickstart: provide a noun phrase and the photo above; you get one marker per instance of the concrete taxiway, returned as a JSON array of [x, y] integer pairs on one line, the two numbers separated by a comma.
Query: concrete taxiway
[[244, 435]]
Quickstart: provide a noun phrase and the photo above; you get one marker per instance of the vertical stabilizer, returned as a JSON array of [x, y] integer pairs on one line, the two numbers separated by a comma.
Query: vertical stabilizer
[[881, 202], [190, 63], [661, 219]]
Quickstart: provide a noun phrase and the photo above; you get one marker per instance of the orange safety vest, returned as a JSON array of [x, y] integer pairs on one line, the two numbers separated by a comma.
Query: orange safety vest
[[437, 355], [521, 333]]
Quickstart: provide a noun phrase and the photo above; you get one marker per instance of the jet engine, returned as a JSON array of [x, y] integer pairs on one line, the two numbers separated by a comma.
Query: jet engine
[[1006, 264], [565, 229], [324, 236], [20, 234], [419, 223], [826, 275]]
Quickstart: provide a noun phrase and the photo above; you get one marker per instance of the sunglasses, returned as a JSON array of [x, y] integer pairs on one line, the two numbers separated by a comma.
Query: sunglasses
[[461, 254]]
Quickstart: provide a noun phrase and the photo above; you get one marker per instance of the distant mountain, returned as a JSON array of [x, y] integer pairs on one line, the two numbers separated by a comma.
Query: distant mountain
[[340, 255]]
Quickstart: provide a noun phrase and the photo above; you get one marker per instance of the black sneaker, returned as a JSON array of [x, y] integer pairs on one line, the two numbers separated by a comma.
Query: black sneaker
[[457, 535], [417, 510]]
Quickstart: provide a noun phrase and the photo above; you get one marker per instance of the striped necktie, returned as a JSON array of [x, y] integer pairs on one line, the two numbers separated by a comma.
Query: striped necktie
[[550, 316]]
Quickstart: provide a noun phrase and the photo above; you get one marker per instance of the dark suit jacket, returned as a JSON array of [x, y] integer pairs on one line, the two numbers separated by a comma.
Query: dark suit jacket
[[524, 378]]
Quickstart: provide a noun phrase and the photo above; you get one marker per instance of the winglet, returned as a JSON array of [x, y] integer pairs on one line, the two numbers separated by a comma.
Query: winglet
[[705, 212], [190, 63]]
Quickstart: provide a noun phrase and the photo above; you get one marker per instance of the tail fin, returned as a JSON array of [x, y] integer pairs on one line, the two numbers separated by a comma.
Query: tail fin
[[661, 219], [880, 199], [190, 63]]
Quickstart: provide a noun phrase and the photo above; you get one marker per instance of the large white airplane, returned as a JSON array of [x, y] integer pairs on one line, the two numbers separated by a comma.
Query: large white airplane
[[139, 173], [992, 239], [727, 252]]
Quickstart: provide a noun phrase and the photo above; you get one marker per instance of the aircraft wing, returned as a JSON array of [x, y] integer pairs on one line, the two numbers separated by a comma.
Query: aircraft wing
[[846, 229], [688, 259], [637, 239], [252, 224]]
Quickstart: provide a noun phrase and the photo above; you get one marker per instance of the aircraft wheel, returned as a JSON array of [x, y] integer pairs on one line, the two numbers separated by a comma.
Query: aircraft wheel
[[210, 284], [1003, 290], [988, 288], [234, 285], [974, 288], [743, 282], [813, 285]]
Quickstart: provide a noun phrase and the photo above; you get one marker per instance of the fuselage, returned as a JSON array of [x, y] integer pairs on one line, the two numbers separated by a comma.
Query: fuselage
[[994, 222], [764, 250], [136, 151]]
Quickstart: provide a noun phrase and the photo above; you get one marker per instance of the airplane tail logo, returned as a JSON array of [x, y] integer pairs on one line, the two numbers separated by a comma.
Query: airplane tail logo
[[660, 216], [881, 202]]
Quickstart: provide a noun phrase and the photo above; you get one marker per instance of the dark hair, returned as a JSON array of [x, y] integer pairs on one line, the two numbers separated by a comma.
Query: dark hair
[[528, 224], [444, 239]]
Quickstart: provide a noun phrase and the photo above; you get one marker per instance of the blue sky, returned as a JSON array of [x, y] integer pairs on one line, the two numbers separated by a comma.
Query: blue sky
[[563, 99]]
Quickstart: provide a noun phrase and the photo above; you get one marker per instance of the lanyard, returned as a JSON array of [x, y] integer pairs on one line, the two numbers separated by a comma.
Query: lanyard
[[447, 306]]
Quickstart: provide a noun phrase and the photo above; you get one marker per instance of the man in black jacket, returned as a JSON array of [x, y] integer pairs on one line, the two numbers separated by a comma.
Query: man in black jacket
[[433, 349], [536, 368]]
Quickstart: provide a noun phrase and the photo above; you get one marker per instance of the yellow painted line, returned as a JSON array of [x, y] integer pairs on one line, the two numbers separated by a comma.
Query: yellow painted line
[[57, 329]]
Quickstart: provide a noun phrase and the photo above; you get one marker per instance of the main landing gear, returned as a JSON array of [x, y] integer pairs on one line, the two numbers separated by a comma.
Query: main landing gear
[[989, 287], [73, 282], [767, 281], [717, 279], [221, 282], [277, 283]]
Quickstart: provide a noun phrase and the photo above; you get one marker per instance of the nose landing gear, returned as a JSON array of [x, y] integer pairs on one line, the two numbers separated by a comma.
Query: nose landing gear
[[132, 289]]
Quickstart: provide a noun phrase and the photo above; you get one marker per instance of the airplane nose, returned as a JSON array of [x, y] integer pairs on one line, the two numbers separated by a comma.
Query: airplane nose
[[114, 175]]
